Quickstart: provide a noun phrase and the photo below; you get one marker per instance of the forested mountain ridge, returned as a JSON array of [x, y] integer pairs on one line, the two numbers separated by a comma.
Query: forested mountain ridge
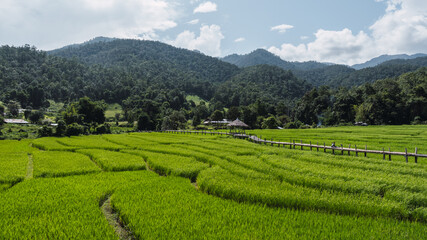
[[131, 54], [262, 56], [400, 100], [95, 40], [270, 84], [31, 77], [152, 84], [334, 75], [384, 58], [341, 75]]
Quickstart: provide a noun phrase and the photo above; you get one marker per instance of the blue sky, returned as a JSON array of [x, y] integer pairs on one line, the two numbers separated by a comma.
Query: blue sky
[[339, 31]]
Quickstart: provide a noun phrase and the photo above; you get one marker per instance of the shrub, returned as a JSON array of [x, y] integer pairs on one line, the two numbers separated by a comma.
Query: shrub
[[36, 116], [293, 125], [74, 129], [102, 129], [45, 131], [61, 128]]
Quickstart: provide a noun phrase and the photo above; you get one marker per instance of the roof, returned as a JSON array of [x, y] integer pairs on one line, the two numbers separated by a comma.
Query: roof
[[238, 123], [15, 121], [224, 121]]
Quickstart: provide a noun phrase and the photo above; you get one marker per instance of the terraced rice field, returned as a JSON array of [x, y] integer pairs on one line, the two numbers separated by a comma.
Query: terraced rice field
[[397, 138], [180, 186]]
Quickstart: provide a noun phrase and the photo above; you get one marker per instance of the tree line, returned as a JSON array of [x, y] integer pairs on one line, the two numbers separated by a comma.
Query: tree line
[[153, 93]]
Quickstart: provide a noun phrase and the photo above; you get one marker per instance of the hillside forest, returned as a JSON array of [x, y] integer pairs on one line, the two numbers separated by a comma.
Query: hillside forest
[[152, 83]]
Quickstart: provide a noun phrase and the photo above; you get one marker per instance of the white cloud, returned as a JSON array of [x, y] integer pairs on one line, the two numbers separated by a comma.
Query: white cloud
[[193, 22], [402, 29], [304, 37], [329, 46], [209, 41], [206, 7], [282, 28], [50, 24], [240, 40]]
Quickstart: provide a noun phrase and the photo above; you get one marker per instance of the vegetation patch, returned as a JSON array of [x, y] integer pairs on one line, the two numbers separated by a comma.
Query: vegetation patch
[[57, 164], [115, 161], [167, 164]]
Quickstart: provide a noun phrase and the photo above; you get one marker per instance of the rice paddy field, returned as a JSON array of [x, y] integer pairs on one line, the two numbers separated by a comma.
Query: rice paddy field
[[202, 186]]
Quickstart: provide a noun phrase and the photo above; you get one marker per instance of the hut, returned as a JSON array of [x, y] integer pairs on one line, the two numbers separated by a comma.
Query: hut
[[237, 125], [15, 121]]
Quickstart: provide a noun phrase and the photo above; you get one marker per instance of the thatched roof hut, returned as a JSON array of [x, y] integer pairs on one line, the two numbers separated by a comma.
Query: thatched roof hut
[[237, 124]]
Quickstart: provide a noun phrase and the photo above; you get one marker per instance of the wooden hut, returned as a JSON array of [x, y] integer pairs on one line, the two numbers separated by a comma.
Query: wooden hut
[[237, 125]]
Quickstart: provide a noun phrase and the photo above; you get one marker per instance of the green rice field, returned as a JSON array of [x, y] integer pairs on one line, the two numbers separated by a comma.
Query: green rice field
[[202, 186]]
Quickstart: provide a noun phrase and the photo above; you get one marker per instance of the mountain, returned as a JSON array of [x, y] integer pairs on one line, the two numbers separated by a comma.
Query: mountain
[[131, 54], [328, 76], [341, 75], [133, 72], [153, 78], [261, 56], [384, 58], [95, 40], [268, 83]]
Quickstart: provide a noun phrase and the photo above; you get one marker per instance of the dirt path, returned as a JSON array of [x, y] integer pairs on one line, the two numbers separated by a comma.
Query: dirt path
[[113, 219]]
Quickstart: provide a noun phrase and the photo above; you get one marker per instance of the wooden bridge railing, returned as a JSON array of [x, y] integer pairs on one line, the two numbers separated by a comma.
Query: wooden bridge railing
[[293, 145]]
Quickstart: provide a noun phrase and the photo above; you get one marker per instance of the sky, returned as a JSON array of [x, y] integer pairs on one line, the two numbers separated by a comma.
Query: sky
[[335, 31]]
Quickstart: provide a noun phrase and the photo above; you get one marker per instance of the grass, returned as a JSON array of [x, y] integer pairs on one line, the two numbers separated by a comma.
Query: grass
[[51, 144], [112, 110], [376, 137], [166, 164], [92, 141], [224, 187], [55, 107], [397, 138], [196, 99], [115, 161], [57, 164], [13, 167], [16, 131], [58, 208], [201, 216], [13, 160]]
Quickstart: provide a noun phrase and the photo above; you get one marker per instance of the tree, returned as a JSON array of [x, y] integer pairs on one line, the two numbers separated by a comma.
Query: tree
[[270, 123], [74, 129], [201, 110], [45, 131], [249, 116], [13, 108], [343, 107], [2, 108], [36, 116], [217, 115], [117, 116], [91, 111], [144, 122], [61, 128], [27, 113], [174, 121], [196, 120], [233, 113], [84, 111], [71, 115]]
